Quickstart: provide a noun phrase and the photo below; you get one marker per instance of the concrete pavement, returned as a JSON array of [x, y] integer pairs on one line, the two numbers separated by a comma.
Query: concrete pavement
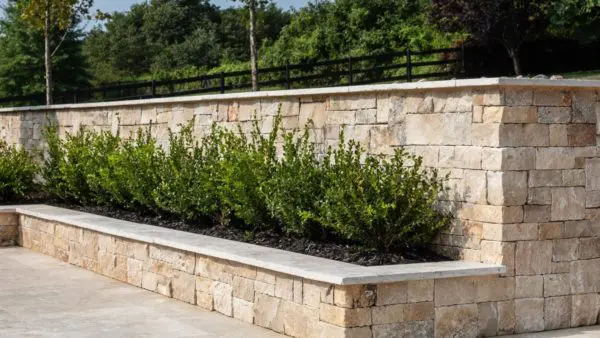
[[42, 297]]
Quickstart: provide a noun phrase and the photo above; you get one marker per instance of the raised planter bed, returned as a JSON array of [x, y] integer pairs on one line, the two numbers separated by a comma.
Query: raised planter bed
[[291, 293]]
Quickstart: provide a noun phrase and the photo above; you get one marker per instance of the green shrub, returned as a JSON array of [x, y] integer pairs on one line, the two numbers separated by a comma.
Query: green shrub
[[293, 191], [246, 164], [380, 202], [189, 176], [17, 172]]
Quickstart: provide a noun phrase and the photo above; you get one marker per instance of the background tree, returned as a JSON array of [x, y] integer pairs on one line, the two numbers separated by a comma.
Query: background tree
[[509, 22], [342, 28], [252, 6], [50, 16], [22, 57]]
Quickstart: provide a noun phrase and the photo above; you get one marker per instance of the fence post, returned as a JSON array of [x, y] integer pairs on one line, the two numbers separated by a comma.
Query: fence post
[[153, 88], [287, 75], [350, 69], [222, 82], [74, 97], [408, 66]]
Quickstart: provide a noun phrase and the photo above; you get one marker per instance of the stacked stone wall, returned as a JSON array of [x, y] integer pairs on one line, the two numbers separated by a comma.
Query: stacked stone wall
[[524, 177]]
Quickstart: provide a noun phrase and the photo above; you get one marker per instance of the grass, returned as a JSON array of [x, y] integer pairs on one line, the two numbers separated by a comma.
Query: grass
[[583, 75]]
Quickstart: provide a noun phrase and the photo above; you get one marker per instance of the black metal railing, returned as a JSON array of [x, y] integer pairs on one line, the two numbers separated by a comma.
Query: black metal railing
[[401, 66]]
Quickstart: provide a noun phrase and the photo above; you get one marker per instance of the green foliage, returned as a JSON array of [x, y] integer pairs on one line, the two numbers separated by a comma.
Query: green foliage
[[380, 201], [22, 57], [18, 170], [276, 181]]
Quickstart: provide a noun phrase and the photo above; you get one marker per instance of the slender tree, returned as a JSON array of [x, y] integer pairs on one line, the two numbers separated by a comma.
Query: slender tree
[[49, 16], [509, 22], [252, 7]]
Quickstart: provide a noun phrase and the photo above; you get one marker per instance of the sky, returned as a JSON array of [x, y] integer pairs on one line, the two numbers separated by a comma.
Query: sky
[[120, 5]]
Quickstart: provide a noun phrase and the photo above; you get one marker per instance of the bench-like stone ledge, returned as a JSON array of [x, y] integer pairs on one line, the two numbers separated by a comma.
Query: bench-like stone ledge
[[291, 263]]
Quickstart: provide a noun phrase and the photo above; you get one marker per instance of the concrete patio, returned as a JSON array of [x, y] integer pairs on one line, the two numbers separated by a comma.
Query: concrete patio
[[42, 297]]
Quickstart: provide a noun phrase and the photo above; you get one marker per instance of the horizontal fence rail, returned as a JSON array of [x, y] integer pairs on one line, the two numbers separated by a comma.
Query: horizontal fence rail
[[404, 66]]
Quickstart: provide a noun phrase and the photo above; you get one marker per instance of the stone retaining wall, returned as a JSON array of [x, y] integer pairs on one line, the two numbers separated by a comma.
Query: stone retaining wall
[[465, 307], [522, 160], [9, 232]]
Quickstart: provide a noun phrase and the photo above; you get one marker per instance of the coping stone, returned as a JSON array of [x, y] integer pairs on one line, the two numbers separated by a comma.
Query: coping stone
[[341, 90], [291, 263]]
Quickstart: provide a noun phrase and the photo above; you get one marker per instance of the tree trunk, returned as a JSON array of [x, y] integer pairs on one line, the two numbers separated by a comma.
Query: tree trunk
[[514, 55], [48, 56], [253, 51]]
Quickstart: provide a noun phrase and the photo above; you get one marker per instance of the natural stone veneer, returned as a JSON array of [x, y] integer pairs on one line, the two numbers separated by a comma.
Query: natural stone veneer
[[524, 174], [415, 301], [8, 229]]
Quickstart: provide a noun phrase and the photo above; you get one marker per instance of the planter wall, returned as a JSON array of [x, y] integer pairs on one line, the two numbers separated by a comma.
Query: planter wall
[[523, 166], [423, 300]]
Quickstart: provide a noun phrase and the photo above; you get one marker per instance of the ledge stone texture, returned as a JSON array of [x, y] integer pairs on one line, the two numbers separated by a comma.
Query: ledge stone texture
[[524, 176]]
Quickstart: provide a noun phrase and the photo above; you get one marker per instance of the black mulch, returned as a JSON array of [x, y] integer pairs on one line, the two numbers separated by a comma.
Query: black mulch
[[345, 253]]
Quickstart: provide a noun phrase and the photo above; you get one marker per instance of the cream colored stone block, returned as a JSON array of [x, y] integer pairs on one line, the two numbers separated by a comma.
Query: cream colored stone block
[[352, 296], [223, 298], [457, 321], [420, 291], [311, 295], [340, 118], [488, 319], [327, 330], [299, 321], [507, 188], [584, 276], [585, 309], [179, 260], [529, 286], [388, 314], [568, 204], [453, 291], [510, 232], [352, 102], [558, 135], [345, 317], [134, 272], [536, 213], [489, 289], [554, 158], [592, 174], [518, 97], [491, 213], [510, 114], [584, 106], [313, 113], [243, 310], [204, 284], [183, 287], [243, 288], [267, 312], [556, 285], [545, 178], [554, 114], [478, 114], [423, 311], [485, 134], [566, 250], [557, 313], [533, 257], [391, 293], [521, 158], [490, 98], [457, 129], [284, 287], [496, 252], [424, 129], [552, 98], [529, 314], [574, 177], [212, 268]]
